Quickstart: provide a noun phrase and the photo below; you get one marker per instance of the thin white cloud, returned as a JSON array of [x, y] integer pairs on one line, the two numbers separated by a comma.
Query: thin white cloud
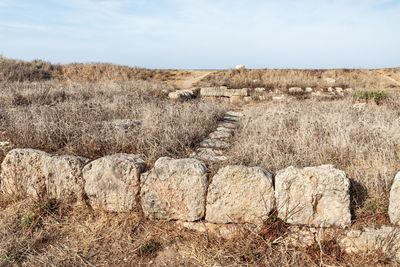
[[23, 26]]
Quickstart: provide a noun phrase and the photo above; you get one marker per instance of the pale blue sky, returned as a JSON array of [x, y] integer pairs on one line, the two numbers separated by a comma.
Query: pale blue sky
[[204, 34]]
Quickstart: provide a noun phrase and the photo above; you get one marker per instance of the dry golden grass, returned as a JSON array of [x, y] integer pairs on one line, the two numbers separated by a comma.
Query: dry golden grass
[[37, 70], [66, 118], [63, 115], [47, 233], [282, 79]]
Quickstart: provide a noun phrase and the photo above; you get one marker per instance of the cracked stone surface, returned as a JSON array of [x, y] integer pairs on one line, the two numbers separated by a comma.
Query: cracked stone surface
[[112, 182], [317, 196], [239, 194], [175, 189], [215, 143]]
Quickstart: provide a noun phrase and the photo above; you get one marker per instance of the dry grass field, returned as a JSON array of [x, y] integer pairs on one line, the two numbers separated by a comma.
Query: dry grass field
[[68, 110], [284, 78]]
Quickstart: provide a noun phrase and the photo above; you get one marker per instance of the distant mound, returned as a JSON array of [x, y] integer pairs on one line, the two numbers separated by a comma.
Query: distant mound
[[38, 70]]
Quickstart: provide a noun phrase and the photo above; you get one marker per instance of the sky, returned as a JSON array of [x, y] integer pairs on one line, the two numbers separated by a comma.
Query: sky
[[204, 34]]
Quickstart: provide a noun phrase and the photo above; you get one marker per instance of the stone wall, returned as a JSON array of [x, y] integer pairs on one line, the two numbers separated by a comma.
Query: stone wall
[[179, 189]]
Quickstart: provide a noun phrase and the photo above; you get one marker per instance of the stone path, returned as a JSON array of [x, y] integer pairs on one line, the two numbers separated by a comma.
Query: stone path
[[214, 146]]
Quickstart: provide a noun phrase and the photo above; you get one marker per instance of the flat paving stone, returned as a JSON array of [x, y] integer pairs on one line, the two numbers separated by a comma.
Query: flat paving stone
[[220, 135], [234, 114], [231, 119], [229, 125], [215, 143], [209, 154]]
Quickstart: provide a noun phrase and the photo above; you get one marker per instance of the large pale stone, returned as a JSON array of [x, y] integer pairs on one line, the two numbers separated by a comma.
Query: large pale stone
[[372, 240], [35, 173], [394, 201], [175, 189], [317, 196], [240, 194], [221, 92], [112, 182], [184, 94], [64, 179]]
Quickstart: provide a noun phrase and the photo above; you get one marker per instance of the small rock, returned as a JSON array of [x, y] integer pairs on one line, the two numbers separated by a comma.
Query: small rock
[[279, 98], [315, 196], [231, 119], [240, 67], [234, 114], [112, 182], [330, 89], [295, 90], [220, 135], [259, 89], [239, 194], [184, 94], [215, 143], [339, 89], [394, 201], [229, 125], [371, 240], [175, 189], [309, 90], [224, 129]]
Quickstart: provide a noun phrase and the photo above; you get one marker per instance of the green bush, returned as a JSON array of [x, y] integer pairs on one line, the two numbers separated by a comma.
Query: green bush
[[377, 96]]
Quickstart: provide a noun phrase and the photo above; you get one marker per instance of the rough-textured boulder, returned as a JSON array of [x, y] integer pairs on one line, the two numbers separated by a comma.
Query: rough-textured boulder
[[394, 201], [64, 179], [371, 240], [35, 173], [221, 92], [317, 196], [240, 67], [295, 90], [240, 194], [112, 182], [175, 189], [184, 94]]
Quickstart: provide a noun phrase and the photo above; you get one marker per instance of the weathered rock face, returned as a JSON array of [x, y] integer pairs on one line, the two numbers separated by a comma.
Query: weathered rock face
[[5, 147], [64, 178], [240, 194], [240, 67], [394, 201], [112, 182], [35, 173], [317, 196], [216, 91], [175, 189], [184, 94], [370, 240], [22, 172]]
